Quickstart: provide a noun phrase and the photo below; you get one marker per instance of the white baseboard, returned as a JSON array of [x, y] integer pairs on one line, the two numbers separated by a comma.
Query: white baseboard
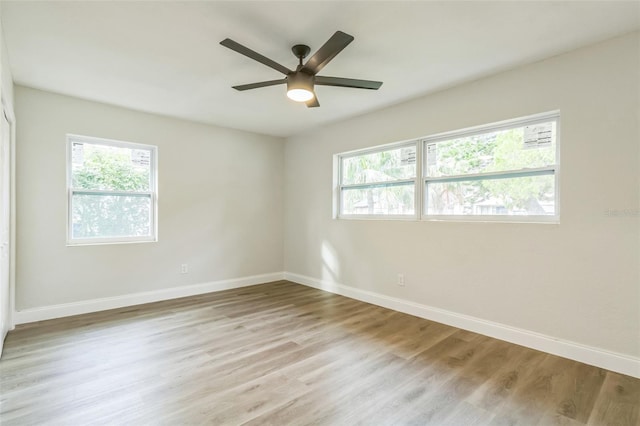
[[102, 304], [587, 354]]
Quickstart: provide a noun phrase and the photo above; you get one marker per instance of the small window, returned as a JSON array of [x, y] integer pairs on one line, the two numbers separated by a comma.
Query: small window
[[111, 191], [508, 171], [379, 182]]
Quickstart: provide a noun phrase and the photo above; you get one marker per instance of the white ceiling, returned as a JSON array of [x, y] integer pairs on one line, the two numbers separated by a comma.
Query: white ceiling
[[163, 57]]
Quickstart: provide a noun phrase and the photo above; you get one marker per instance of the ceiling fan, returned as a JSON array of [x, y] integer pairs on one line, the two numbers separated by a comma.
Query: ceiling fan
[[301, 82]]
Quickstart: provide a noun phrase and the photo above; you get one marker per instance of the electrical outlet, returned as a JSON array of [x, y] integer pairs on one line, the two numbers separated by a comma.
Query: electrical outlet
[[401, 280], [184, 268]]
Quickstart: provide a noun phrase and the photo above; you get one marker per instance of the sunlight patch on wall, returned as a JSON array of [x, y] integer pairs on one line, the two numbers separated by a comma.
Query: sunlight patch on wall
[[330, 263]]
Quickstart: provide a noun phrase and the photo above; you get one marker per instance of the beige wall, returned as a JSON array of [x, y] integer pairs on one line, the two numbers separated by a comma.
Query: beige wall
[[5, 73], [220, 204], [577, 281]]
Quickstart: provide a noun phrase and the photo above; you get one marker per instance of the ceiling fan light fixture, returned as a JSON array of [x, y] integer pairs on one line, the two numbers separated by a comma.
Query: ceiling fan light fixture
[[300, 95], [300, 87]]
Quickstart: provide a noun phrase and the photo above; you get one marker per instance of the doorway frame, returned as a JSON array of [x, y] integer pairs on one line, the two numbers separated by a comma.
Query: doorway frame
[[7, 110]]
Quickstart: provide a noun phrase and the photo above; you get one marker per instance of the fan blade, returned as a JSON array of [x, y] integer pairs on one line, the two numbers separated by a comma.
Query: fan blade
[[327, 52], [347, 82], [260, 84], [313, 102], [227, 42]]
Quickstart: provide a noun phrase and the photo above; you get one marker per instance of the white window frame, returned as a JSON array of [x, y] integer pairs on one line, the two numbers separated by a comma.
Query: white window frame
[[152, 193], [381, 148], [421, 181], [554, 170]]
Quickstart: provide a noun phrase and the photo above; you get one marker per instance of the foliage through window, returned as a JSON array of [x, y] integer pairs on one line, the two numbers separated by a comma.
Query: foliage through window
[[504, 171], [381, 182], [508, 171], [112, 191]]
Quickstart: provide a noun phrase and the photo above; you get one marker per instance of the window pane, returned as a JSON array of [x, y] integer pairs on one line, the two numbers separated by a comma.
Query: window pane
[[530, 195], [393, 200], [383, 166], [96, 166], [529, 146], [104, 216]]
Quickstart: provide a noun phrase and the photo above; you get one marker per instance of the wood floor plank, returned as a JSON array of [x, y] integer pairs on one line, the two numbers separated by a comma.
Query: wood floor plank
[[281, 353], [519, 362], [618, 402]]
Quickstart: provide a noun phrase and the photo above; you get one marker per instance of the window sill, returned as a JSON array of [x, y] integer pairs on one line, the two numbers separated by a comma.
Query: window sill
[[102, 242], [535, 220]]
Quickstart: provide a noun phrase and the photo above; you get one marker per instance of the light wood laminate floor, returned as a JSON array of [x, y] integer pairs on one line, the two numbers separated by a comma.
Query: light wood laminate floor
[[281, 353]]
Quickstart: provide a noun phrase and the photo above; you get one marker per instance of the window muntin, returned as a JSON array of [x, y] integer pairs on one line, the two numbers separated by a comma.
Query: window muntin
[[495, 171], [112, 191], [379, 182]]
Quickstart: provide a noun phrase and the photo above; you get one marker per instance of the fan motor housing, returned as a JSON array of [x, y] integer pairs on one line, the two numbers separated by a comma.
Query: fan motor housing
[[300, 80]]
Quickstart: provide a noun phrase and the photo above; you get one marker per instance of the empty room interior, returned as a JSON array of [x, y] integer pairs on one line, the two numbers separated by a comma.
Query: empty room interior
[[320, 212]]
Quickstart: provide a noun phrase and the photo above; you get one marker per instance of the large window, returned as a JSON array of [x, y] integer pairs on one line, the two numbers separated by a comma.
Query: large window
[[111, 191], [503, 171]]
